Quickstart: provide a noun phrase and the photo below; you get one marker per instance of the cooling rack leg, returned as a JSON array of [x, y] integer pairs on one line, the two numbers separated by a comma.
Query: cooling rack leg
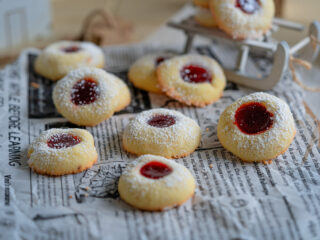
[[242, 58], [189, 42]]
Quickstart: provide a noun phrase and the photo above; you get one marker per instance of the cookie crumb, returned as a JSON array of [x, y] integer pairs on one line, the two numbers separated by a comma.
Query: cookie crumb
[[266, 162]]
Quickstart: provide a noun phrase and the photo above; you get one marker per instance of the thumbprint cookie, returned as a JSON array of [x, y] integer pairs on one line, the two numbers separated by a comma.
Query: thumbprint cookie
[[88, 96], [58, 152], [257, 127], [155, 183], [143, 74], [243, 19], [161, 132], [192, 79], [59, 58]]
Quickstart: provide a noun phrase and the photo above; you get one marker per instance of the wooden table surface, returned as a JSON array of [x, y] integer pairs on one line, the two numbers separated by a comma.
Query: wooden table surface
[[144, 17]]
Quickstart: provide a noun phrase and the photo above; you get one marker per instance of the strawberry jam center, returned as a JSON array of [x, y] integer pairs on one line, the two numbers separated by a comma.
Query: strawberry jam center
[[248, 6], [85, 91], [162, 121], [160, 60], [253, 118], [195, 74], [63, 140], [155, 170], [71, 49]]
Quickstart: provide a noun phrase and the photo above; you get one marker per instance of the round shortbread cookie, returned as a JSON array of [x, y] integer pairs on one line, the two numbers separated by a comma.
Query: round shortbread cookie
[[192, 79], [88, 96], [243, 19], [59, 58], [155, 183], [143, 73], [58, 152], [257, 127], [161, 132]]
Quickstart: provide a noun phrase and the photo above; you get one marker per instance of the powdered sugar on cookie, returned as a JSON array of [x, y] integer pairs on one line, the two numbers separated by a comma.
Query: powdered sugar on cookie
[[51, 153], [179, 138], [105, 93], [151, 194], [274, 139]]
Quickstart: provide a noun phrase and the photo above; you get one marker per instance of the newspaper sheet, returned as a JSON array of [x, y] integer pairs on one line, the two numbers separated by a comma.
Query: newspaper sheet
[[233, 200]]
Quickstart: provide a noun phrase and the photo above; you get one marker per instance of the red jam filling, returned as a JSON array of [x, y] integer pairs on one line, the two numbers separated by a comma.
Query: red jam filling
[[162, 121], [71, 49], [248, 6], [195, 74], [85, 91], [160, 60], [253, 118], [155, 170], [63, 140]]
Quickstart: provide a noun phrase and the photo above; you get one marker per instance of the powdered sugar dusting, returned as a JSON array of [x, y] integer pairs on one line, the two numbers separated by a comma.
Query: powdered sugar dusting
[[195, 74], [40, 151], [88, 48], [138, 182], [55, 63], [105, 101], [95, 52], [183, 125], [198, 94], [63, 140], [243, 25], [283, 124]]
